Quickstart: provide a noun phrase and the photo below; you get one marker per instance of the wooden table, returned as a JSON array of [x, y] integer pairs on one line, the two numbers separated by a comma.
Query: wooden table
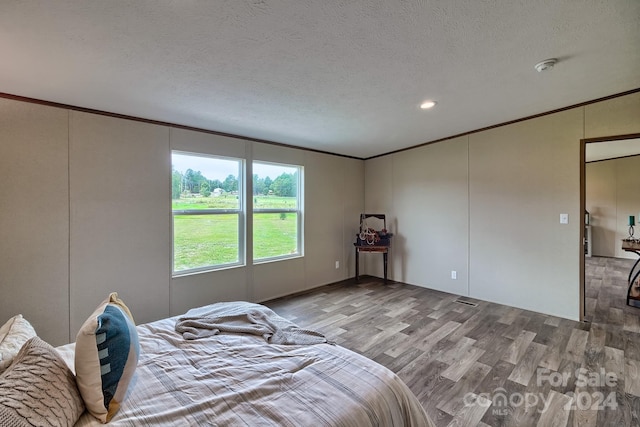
[[634, 291], [384, 250]]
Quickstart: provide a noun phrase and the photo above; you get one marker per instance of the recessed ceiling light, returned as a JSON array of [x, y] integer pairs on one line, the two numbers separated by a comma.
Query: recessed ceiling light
[[428, 104]]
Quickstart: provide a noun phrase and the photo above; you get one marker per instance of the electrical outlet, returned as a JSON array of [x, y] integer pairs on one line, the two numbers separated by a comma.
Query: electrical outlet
[[564, 218], [337, 264], [454, 274]]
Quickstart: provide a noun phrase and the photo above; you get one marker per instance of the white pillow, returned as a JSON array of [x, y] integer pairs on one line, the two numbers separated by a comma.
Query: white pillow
[[38, 389], [13, 334], [107, 350]]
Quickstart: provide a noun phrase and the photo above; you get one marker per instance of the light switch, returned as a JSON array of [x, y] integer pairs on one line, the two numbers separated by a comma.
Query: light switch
[[564, 218]]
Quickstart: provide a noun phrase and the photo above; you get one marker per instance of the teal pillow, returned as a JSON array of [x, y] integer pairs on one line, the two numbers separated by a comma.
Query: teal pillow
[[107, 351]]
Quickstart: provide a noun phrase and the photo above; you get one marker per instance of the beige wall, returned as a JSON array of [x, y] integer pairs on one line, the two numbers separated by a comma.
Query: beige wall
[[86, 211], [424, 193], [509, 245], [628, 201], [612, 194], [34, 216], [522, 177], [600, 202], [378, 178], [118, 179], [617, 116]]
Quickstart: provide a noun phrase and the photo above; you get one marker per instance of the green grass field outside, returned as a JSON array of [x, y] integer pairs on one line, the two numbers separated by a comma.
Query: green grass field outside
[[205, 240], [274, 234], [230, 201]]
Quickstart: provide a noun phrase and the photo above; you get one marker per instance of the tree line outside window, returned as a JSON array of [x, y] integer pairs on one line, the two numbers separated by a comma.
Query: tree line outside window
[[193, 182]]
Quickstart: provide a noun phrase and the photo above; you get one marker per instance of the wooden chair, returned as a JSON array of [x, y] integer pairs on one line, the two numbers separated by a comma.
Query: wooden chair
[[365, 245]]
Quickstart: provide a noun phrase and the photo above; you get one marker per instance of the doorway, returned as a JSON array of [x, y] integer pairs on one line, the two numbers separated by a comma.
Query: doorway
[[614, 196]]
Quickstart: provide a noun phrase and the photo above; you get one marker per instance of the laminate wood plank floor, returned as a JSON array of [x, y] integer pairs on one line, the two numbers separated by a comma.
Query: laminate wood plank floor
[[489, 364]]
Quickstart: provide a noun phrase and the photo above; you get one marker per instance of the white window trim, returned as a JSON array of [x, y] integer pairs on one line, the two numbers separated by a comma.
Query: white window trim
[[299, 211], [241, 212]]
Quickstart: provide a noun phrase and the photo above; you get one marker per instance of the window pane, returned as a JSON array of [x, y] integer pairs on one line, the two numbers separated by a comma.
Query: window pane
[[274, 202], [204, 240], [275, 186], [200, 182], [275, 234]]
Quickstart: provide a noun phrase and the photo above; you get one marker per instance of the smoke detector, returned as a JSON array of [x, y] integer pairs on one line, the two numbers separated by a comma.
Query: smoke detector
[[545, 65]]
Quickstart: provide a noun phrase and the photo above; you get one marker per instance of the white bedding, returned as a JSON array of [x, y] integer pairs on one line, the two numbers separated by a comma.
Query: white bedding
[[229, 380]]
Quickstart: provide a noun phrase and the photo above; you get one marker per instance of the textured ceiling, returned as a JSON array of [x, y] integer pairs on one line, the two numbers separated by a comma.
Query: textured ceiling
[[612, 149], [340, 76]]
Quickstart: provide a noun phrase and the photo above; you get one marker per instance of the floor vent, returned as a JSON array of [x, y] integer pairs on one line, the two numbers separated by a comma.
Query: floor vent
[[461, 301]]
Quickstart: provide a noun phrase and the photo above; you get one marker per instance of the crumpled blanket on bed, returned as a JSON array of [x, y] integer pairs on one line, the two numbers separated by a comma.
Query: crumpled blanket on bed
[[242, 317], [240, 380]]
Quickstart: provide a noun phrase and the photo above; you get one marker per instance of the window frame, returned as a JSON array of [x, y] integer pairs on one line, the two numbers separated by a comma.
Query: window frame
[[299, 211], [240, 211]]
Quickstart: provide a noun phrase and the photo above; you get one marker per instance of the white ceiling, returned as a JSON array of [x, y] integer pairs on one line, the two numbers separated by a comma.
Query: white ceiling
[[340, 76], [612, 149]]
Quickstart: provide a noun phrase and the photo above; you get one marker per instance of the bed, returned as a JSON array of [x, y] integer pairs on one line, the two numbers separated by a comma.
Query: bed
[[240, 379]]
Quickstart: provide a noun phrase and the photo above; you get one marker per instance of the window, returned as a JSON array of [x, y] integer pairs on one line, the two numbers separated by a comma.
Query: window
[[277, 211], [207, 205]]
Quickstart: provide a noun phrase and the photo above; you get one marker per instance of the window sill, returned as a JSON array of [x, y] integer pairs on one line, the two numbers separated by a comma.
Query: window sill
[[276, 259], [193, 272]]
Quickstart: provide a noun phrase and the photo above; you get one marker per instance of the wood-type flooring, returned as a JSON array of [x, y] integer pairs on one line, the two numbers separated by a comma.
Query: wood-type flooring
[[487, 364]]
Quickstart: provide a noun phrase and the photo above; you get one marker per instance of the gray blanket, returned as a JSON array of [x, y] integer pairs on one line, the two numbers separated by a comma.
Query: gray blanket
[[244, 318]]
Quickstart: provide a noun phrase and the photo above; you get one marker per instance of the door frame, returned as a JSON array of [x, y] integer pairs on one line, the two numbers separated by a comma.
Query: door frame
[[583, 203]]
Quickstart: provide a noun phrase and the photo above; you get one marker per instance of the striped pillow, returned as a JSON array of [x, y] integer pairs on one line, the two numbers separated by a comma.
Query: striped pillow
[[106, 356]]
